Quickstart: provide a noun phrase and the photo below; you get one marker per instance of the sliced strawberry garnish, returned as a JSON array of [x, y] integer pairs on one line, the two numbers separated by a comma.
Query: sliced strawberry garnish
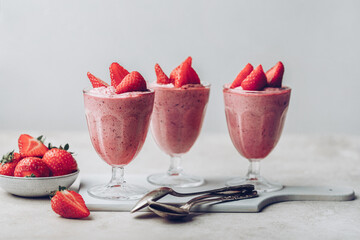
[[161, 77], [174, 73], [117, 74], [31, 167], [31, 147], [69, 204], [275, 74], [184, 74], [242, 75], [255, 81], [132, 82], [96, 82]]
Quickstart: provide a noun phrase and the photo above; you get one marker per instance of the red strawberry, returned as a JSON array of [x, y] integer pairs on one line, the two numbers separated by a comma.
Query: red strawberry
[[275, 74], [69, 204], [31, 147], [117, 74], [184, 74], [96, 82], [132, 82], [8, 163], [255, 81], [161, 76], [242, 75], [31, 167], [60, 162], [174, 73]]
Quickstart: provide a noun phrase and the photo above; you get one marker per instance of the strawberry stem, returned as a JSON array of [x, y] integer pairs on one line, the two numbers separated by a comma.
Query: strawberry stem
[[7, 157]]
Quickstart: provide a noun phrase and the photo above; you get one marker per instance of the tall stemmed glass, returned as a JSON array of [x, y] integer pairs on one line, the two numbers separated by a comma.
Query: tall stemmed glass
[[255, 120], [118, 125], [175, 125]]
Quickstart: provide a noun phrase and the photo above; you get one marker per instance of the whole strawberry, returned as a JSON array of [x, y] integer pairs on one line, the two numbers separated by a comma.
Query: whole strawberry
[[31, 167], [60, 161], [8, 163], [69, 204], [31, 147]]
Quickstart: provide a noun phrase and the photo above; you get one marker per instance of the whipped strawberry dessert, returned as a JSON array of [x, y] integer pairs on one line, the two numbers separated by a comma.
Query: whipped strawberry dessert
[[118, 116], [255, 106], [179, 110]]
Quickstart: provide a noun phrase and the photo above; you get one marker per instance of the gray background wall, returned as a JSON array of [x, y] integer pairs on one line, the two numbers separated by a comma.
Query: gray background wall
[[46, 48]]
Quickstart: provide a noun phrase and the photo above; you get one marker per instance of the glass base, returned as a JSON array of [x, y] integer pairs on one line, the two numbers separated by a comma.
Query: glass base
[[260, 183], [179, 180], [124, 191]]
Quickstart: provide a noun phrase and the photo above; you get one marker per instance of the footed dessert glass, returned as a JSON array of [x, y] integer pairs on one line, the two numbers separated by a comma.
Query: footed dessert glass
[[255, 120], [118, 125], [175, 125]]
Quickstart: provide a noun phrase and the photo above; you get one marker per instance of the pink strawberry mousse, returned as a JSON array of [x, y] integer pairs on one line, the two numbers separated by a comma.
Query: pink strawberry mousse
[[118, 123], [255, 119], [178, 116]]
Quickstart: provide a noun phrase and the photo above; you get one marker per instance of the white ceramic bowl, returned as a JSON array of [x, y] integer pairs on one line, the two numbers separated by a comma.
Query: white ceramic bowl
[[36, 187]]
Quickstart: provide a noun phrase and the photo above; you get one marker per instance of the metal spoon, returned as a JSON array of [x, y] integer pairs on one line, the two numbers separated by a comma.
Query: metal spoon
[[163, 191], [174, 212]]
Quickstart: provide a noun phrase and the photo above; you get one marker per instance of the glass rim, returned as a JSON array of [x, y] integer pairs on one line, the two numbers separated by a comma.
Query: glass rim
[[87, 92], [233, 90], [154, 84]]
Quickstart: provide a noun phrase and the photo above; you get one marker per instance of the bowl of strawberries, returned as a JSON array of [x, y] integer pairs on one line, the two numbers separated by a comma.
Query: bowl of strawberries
[[37, 170]]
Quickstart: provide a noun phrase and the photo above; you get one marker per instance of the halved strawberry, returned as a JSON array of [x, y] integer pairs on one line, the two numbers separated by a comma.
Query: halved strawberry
[[255, 81], [275, 74], [31, 147], [184, 74], [59, 161], [242, 75], [117, 74], [31, 167], [96, 82], [9, 162], [174, 73], [132, 82], [69, 204], [161, 77]]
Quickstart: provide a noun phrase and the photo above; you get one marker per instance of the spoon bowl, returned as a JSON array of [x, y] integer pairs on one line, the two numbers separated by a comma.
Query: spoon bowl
[[176, 212]]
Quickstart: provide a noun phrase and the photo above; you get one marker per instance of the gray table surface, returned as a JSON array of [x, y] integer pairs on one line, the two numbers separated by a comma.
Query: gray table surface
[[297, 160]]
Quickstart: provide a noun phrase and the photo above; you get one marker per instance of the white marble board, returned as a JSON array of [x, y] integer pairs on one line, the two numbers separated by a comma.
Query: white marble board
[[288, 193]]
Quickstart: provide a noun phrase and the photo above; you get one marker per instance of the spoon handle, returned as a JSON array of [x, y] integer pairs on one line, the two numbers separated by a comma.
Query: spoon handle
[[219, 199], [218, 191]]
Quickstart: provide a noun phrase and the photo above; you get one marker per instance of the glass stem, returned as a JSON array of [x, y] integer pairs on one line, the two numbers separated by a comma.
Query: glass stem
[[254, 170], [117, 178], [175, 166]]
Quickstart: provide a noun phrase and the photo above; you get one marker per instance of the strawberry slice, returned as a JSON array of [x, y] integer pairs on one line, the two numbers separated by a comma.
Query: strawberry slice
[[96, 82], [160, 75], [31, 167], [69, 204], [184, 74], [275, 75], [117, 74], [242, 75], [31, 147], [256, 80], [174, 73], [132, 82]]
